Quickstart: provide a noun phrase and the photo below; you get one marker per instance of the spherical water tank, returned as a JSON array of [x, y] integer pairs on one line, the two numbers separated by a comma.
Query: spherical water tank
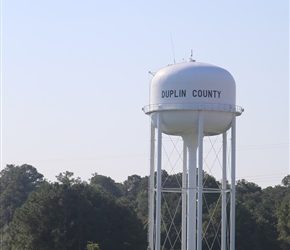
[[179, 91]]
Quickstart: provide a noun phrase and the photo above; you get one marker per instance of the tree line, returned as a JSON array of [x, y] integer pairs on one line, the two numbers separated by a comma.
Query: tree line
[[72, 214]]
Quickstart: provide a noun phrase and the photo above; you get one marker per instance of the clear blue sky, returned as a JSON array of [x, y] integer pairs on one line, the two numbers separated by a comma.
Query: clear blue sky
[[75, 77]]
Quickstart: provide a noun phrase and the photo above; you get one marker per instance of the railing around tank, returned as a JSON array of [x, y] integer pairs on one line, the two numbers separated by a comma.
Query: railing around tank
[[193, 106]]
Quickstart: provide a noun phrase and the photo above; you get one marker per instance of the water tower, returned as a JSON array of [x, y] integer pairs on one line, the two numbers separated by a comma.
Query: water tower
[[191, 100]]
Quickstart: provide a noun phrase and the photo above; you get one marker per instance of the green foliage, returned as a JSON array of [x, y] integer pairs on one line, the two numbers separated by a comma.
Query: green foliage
[[107, 183], [66, 178], [255, 216], [286, 181], [61, 216], [283, 225], [131, 186], [141, 207], [72, 214], [93, 246], [16, 183]]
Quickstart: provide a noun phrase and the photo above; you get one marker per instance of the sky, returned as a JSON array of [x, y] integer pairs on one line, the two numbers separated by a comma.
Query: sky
[[75, 78]]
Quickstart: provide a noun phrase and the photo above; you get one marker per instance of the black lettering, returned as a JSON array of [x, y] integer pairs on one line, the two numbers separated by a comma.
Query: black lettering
[[202, 93], [209, 93]]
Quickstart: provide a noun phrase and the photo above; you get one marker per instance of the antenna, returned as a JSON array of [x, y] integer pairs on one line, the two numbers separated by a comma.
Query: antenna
[[172, 48], [191, 55]]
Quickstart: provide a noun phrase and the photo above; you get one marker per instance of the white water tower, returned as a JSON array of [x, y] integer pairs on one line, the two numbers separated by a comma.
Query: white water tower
[[191, 100]]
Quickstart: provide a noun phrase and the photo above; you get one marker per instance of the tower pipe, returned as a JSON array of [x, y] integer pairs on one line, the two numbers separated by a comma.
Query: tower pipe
[[224, 194], [158, 184], [200, 179], [233, 184], [151, 188], [191, 195], [184, 196]]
